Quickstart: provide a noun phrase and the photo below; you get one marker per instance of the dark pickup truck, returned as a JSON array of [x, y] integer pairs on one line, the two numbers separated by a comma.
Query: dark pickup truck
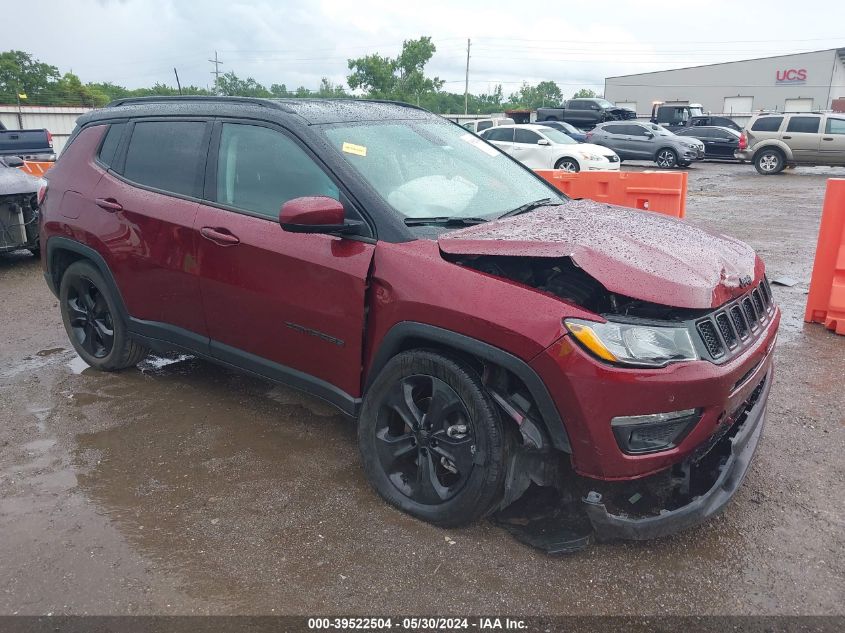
[[28, 144], [585, 113]]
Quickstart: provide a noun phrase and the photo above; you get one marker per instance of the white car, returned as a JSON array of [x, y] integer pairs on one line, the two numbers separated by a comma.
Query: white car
[[479, 125], [542, 147]]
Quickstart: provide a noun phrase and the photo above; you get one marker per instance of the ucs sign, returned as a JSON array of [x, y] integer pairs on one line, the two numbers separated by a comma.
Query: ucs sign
[[791, 76]]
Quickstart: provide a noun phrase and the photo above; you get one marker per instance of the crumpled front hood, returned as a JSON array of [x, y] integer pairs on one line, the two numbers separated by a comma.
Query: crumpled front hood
[[639, 254], [14, 181]]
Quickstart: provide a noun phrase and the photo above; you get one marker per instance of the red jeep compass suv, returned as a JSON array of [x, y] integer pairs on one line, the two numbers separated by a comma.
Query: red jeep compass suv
[[488, 334]]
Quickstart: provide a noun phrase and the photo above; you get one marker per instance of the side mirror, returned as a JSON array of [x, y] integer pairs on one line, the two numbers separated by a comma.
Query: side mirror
[[315, 214], [649, 135], [544, 141]]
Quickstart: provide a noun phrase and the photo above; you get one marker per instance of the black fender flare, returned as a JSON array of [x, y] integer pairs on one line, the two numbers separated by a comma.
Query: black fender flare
[[395, 341], [58, 243]]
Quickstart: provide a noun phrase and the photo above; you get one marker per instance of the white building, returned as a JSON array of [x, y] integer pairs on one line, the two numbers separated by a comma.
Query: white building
[[797, 82]]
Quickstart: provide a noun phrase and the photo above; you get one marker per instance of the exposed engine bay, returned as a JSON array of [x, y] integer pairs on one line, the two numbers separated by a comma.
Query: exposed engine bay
[[563, 278], [18, 210]]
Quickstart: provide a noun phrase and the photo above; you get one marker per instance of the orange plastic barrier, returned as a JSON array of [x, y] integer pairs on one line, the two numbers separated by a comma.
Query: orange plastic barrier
[[35, 168], [826, 300], [659, 191]]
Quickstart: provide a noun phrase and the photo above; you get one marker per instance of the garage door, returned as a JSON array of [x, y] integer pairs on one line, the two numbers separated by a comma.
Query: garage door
[[798, 105], [739, 105], [629, 105]]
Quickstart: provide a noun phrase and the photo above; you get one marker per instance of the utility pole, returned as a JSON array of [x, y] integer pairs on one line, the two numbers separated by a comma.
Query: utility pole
[[216, 72], [466, 83]]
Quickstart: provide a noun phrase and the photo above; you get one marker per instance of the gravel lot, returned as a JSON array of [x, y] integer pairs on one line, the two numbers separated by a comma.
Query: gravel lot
[[185, 488]]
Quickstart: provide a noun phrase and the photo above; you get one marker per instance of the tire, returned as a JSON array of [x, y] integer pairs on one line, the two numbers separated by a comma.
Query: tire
[[93, 320], [666, 158], [769, 161], [568, 164], [400, 445]]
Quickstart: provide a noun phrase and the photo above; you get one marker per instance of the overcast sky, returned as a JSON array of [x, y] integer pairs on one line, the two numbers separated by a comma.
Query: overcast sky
[[577, 44]]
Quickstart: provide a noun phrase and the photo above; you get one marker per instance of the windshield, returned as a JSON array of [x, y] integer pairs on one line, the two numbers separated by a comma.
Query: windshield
[[436, 169], [659, 130], [604, 103], [556, 136]]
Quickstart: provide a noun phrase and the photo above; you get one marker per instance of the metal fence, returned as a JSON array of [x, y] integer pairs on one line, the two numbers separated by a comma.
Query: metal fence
[[59, 121]]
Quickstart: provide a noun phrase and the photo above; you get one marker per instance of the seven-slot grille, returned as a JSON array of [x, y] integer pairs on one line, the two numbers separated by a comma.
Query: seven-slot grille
[[737, 322]]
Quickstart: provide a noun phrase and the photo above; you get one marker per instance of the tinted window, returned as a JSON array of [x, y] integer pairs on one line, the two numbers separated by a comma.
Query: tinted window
[[577, 105], [483, 125], [503, 134], [767, 124], [526, 136], [167, 155], [634, 130], [835, 126], [805, 124], [110, 143], [615, 129], [259, 169]]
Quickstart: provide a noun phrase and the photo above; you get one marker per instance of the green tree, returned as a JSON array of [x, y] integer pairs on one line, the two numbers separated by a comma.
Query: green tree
[[21, 73], [232, 85], [401, 78], [584, 93]]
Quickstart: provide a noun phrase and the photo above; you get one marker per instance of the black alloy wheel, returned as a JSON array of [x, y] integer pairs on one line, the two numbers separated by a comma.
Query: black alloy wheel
[[425, 439], [90, 318]]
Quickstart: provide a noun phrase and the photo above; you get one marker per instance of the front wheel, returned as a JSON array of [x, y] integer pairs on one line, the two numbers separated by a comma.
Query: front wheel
[[666, 158], [568, 164], [93, 322], [431, 440]]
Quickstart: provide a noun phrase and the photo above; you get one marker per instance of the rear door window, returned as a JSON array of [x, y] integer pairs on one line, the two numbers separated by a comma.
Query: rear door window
[[804, 124], [767, 124], [501, 134], [259, 169], [167, 155], [615, 129]]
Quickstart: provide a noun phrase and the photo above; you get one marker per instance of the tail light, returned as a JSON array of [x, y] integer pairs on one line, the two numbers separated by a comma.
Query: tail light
[[49, 138], [588, 136], [743, 141]]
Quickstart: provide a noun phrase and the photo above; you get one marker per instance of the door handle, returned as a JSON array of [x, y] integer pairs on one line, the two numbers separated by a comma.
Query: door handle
[[827, 138], [109, 204], [219, 236], [787, 137]]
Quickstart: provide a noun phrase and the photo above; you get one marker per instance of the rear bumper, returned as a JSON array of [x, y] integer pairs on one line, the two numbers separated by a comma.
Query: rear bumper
[[743, 154], [743, 445]]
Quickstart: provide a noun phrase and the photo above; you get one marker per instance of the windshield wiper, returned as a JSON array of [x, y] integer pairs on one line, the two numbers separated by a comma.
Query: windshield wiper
[[530, 206], [444, 220]]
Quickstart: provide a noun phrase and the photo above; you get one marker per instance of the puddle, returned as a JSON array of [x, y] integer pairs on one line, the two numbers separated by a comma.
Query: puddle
[[51, 351]]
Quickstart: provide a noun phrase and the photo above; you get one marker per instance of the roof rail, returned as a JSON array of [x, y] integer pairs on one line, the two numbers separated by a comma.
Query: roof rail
[[779, 112], [207, 98]]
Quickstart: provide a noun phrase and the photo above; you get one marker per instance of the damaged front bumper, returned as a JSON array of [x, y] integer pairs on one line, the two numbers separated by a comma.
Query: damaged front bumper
[[736, 448]]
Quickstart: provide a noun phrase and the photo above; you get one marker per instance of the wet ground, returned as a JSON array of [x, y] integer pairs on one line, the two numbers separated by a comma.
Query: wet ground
[[181, 487]]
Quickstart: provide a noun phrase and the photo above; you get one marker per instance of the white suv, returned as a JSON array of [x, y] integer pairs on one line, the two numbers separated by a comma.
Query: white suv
[[542, 147]]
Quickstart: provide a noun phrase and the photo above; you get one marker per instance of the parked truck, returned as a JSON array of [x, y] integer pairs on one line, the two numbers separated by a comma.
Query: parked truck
[[585, 113], [28, 144]]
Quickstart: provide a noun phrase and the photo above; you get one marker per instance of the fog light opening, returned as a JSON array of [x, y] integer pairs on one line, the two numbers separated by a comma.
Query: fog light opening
[[638, 434]]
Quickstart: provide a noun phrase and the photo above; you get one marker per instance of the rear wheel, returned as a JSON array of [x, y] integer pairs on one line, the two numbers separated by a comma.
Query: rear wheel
[[568, 164], [431, 439], [769, 161], [93, 323], [666, 158]]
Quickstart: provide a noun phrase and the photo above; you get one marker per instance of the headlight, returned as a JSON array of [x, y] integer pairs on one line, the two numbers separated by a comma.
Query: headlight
[[593, 156], [629, 344]]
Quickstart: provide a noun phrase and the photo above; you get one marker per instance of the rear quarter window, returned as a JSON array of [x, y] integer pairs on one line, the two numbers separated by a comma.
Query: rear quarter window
[[110, 143], [167, 155], [767, 124]]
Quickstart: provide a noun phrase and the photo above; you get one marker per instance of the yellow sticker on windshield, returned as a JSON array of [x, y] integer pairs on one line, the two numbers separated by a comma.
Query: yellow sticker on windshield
[[351, 148]]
